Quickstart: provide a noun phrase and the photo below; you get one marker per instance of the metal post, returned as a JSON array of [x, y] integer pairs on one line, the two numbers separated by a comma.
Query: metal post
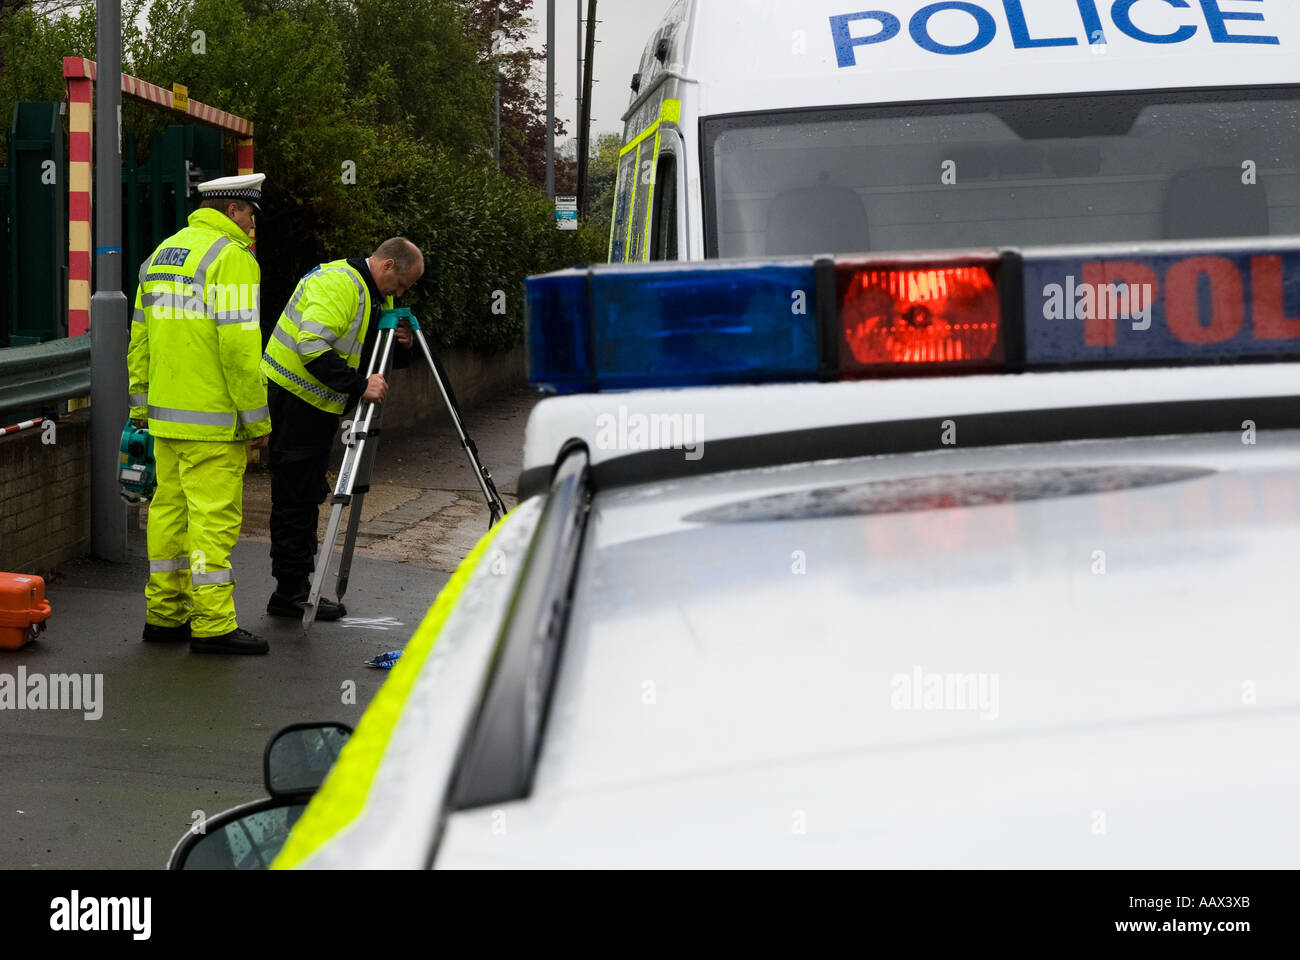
[[496, 122], [495, 111], [108, 322], [550, 99], [496, 84], [584, 121], [577, 102]]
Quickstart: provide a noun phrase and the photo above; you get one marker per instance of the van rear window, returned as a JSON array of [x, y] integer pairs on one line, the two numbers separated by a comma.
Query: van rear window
[[620, 228]]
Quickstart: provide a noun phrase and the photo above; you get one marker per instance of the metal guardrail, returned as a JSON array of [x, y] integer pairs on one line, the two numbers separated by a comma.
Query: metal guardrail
[[38, 376]]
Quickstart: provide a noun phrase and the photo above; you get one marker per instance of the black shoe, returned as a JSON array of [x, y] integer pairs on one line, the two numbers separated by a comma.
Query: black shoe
[[238, 640], [281, 606], [156, 634]]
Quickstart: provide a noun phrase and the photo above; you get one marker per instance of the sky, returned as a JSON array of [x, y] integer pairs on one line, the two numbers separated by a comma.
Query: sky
[[622, 30]]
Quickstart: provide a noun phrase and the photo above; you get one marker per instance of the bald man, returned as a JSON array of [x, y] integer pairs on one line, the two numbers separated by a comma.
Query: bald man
[[312, 364]]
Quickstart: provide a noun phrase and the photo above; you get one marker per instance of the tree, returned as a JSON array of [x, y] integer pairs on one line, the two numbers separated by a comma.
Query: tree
[[411, 124], [602, 175], [42, 7], [287, 75], [436, 75], [32, 48], [523, 98]]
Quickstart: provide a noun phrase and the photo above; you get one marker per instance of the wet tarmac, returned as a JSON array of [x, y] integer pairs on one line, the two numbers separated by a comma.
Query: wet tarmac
[[172, 735]]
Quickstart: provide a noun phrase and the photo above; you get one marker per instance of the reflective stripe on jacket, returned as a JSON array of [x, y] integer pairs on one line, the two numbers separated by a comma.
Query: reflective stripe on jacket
[[194, 361], [329, 310]]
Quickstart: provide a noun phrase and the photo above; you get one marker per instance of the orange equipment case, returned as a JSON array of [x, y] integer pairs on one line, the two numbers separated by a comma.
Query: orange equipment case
[[23, 609]]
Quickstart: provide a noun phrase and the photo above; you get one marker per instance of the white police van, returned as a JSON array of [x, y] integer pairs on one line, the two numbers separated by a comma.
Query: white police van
[[765, 128], [939, 509]]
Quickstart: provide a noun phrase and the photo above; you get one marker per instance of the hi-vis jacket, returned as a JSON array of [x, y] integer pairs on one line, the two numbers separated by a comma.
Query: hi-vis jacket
[[193, 363], [329, 310]]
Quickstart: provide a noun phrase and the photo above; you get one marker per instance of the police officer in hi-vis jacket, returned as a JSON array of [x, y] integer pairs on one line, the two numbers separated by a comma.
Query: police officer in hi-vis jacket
[[195, 376]]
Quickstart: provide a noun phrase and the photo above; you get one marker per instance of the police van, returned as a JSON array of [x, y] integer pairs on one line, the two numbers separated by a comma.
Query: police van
[[770, 128], [919, 484]]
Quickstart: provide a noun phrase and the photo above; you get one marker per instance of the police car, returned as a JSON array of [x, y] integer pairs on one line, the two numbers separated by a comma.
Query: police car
[[921, 484]]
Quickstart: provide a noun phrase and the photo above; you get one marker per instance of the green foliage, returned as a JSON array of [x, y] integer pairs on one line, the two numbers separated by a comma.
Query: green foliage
[[396, 87], [34, 49], [602, 181], [485, 233], [444, 86]]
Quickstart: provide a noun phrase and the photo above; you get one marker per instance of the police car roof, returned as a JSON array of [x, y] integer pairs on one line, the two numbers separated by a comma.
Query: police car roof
[[763, 55], [946, 659], [644, 435]]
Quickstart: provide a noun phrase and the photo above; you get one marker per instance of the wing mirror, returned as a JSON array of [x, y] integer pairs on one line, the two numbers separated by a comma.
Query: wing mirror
[[299, 757], [249, 837]]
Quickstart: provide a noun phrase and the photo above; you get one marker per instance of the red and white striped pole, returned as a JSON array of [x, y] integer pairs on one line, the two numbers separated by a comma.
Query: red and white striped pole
[[80, 157], [25, 425], [244, 157]]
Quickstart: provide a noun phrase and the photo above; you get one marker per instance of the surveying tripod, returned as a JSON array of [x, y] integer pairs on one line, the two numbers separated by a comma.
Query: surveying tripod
[[360, 443]]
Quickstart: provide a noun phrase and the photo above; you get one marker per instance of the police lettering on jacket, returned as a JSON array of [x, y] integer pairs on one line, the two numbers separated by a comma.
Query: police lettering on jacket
[[849, 31]]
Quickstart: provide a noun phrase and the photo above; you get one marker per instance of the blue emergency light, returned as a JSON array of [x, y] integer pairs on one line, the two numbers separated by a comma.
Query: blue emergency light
[[621, 327], [618, 327]]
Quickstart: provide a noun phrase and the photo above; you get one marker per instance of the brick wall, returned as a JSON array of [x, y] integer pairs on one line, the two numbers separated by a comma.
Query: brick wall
[[45, 496]]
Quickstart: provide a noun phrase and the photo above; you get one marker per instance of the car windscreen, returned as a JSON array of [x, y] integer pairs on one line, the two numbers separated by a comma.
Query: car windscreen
[[1096, 168]]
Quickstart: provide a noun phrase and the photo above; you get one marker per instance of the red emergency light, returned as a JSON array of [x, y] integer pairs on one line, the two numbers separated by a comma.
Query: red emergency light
[[917, 315]]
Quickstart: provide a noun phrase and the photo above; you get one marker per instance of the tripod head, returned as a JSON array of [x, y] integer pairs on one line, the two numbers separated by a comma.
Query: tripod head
[[389, 319]]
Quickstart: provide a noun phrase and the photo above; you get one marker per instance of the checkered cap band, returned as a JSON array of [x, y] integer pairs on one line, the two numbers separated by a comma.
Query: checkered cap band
[[252, 196]]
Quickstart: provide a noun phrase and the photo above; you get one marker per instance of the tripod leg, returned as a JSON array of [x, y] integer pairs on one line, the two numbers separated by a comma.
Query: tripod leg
[[359, 492], [496, 506], [353, 459], [341, 499], [362, 486], [349, 544]]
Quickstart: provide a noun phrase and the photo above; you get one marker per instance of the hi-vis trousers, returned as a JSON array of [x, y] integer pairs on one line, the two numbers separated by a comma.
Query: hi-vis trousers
[[194, 521]]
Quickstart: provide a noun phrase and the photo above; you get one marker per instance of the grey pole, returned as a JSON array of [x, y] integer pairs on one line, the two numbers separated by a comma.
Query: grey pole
[[550, 99], [496, 122], [584, 122], [577, 104], [496, 86], [108, 322]]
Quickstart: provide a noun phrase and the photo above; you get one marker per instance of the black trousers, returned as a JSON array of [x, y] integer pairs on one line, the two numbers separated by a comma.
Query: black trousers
[[302, 437]]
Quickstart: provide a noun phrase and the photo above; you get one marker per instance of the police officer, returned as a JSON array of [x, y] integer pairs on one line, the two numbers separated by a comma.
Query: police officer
[[195, 375], [311, 361]]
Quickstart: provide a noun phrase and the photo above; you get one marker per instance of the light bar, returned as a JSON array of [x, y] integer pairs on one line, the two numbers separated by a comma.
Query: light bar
[[623, 328], [619, 327]]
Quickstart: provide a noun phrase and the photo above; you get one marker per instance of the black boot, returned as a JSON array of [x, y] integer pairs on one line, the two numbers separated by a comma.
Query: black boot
[[156, 634], [236, 641], [290, 600]]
